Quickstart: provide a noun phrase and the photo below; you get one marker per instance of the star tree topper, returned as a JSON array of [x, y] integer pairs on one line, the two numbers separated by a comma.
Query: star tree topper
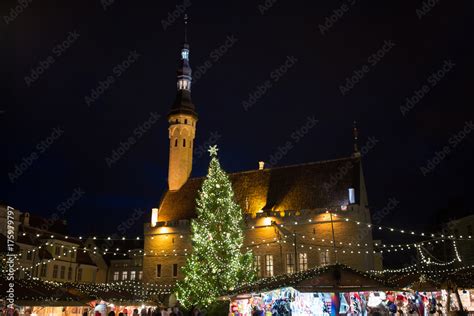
[[213, 151]]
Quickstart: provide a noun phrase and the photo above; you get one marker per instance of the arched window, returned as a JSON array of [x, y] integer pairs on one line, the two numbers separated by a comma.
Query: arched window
[[176, 143], [184, 142]]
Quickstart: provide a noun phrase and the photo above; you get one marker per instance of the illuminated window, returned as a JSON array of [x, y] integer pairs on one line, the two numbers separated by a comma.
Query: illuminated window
[[303, 261], [257, 263], [132, 275], [351, 196], [324, 258], [184, 54], [69, 273], [158, 270], [175, 270], [63, 272], [79, 274], [124, 275], [290, 263], [268, 265], [116, 276], [44, 269], [55, 271], [140, 275]]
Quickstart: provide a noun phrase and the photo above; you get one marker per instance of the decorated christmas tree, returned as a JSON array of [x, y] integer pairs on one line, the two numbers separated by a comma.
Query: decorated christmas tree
[[217, 263]]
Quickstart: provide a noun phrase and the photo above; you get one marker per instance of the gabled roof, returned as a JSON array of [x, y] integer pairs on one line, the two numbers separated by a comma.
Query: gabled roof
[[299, 187]]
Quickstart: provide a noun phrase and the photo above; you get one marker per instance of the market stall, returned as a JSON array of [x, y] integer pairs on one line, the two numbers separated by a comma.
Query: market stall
[[329, 290]]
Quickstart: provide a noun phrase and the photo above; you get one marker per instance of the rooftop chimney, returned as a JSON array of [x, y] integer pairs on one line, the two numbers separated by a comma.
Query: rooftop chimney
[[261, 165]]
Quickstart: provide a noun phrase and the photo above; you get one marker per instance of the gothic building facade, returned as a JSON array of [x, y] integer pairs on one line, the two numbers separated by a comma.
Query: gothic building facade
[[297, 217]]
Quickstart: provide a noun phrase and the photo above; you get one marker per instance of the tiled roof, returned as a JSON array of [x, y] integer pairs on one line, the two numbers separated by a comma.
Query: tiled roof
[[299, 187]]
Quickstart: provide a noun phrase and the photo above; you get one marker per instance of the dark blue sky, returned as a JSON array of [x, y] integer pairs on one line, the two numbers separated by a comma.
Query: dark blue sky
[[410, 47]]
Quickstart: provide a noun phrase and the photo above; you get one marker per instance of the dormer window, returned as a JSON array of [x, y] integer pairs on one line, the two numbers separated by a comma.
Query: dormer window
[[351, 195]]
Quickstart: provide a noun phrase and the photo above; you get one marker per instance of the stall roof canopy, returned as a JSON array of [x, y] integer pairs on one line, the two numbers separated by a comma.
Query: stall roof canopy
[[333, 278], [49, 293]]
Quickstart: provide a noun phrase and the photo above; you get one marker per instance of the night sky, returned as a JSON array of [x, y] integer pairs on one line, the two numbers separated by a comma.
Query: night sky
[[388, 50]]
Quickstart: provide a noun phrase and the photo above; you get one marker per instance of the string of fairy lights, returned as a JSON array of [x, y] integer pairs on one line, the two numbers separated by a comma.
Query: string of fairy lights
[[310, 242]]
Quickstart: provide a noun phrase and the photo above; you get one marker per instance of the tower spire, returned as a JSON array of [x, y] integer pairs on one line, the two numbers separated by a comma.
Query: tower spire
[[182, 120], [185, 27], [355, 135]]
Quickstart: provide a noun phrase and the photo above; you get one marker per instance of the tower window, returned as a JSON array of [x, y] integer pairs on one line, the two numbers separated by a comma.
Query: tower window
[[184, 142], [290, 263], [185, 121], [303, 261], [44, 270], [257, 264], [175, 270], [324, 258], [269, 265], [176, 142], [351, 196], [158, 270]]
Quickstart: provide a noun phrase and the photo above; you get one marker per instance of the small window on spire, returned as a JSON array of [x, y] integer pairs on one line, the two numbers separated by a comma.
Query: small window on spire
[[351, 196], [185, 54], [176, 143], [184, 142], [185, 121]]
